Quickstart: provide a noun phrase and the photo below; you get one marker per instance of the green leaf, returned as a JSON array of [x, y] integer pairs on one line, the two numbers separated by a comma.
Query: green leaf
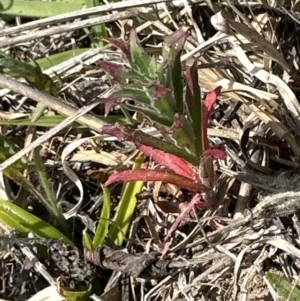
[[139, 137], [183, 134], [98, 31], [38, 111], [51, 121], [153, 67], [153, 115], [172, 50], [134, 75], [6, 143], [164, 107], [140, 60], [87, 240], [104, 222], [126, 208], [193, 105], [283, 287], [7, 149], [20, 68], [142, 96], [49, 195], [31, 72], [24, 222]]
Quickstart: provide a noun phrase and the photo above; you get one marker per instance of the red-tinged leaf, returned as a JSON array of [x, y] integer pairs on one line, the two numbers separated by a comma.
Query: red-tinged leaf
[[215, 152], [146, 175], [211, 99], [140, 138], [207, 109], [114, 70], [161, 91], [182, 218], [118, 131], [123, 46], [109, 103], [175, 41], [139, 59], [178, 165]]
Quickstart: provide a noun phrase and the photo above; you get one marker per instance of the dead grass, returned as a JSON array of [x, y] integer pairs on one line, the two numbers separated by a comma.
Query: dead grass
[[249, 49]]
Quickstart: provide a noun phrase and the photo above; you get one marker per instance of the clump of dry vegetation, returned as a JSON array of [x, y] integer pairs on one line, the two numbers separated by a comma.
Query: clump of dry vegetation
[[150, 150]]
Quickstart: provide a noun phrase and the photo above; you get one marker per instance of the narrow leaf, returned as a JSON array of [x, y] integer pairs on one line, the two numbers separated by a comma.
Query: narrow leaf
[[49, 194], [155, 175], [103, 224], [140, 60], [114, 70], [139, 138], [207, 109], [87, 241], [182, 217], [135, 76], [183, 134], [21, 220], [285, 289], [193, 103], [143, 96], [40, 9], [216, 152], [172, 162], [150, 113], [126, 208], [172, 50]]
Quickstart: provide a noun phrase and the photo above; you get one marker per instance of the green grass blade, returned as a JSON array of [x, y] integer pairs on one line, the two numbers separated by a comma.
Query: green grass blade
[[24, 222], [283, 287], [50, 197], [126, 208], [99, 31], [193, 105], [58, 58], [87, 240], [51, 121], [104, 222]]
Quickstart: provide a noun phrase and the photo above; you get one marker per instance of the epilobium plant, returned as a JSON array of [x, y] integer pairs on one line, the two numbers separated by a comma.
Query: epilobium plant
[[179, 114]]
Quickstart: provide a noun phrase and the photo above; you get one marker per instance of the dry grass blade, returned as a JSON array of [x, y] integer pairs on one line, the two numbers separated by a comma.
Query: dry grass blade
[[64, 28], [49, 101], [46, 136], [86, 13]]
